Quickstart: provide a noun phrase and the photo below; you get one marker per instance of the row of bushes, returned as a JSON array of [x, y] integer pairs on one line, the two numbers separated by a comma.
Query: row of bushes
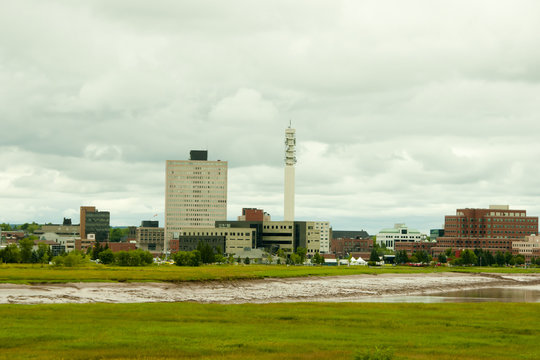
[[25, 254], [121, 258], [205, 254]]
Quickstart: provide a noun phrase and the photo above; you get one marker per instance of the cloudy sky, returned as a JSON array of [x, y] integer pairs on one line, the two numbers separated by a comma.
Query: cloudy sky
[[404, 110]]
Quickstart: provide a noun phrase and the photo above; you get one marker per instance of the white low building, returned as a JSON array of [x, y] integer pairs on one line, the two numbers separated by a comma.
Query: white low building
[[399, 233]]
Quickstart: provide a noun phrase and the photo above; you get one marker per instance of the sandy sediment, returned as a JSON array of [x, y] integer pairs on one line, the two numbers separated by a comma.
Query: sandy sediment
[[332, 288]]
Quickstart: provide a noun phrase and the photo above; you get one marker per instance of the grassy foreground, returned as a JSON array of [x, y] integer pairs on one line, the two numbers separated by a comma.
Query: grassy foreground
[[26, 273], [270, 331]]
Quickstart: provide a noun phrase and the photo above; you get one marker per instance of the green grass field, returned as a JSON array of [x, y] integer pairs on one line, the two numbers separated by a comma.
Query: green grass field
[[24, 273], [270, 331]]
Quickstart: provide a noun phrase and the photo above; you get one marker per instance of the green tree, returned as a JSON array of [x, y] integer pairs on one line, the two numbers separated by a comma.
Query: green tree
[[246, 260], [33, 227], [490, 260], [302, 252], [499, 258], [207, 253], [146, 257], [374, 256], [5, 227], [422, 256], [520, 259], [11, 254], [43, 253], [187, 258], [401, 257], [34, 257], [281, 254], [96, 250], [134, 258], [295, 259], [73, 259], [106, 256], [26, 246], [118, 234], [508, 258], [220, 259], [468, 257], [122, 258], [442, 258], [318, 259]]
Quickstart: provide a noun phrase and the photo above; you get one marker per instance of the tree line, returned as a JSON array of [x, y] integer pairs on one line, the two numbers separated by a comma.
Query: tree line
[[206, 254], [24, 253], [476, 257]]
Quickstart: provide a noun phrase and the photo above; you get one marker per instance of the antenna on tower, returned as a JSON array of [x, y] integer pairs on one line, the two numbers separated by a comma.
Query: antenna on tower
[[290, 123]]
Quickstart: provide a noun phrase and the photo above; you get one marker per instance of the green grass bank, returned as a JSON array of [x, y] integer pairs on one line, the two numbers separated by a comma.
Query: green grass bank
[[269, 331], [27, 274]]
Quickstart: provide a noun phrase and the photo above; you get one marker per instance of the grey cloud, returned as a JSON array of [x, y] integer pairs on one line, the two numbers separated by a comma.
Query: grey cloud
[[402, 111]]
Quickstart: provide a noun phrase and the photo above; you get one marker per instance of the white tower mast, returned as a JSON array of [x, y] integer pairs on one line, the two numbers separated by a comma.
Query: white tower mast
[[290, 161]]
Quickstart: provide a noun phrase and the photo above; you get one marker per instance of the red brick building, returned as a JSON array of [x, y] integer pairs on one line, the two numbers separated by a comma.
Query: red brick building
[[344, 246], [412, 246], [15, 235], [174, 245], [252, 214], [121, 246], [84, 244], [491, 229]]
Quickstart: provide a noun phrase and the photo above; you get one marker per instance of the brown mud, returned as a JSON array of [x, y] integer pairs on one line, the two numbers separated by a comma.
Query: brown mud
[[331, 288]]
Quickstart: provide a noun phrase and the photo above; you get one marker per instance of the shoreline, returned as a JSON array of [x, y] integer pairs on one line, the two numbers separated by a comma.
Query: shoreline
[[269, 290]]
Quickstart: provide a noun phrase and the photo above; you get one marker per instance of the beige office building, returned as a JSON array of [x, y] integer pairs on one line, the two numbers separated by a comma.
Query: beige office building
[[195, 193], [150, 239], [324, 229], [229, 240]]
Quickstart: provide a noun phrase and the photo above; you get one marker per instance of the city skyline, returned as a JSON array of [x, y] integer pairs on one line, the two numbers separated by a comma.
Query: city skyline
[[403, 112]]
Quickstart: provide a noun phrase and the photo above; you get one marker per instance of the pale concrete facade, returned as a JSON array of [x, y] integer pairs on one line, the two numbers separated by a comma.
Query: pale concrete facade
[[278, 233], [150, 238], [399, 233], [236, 239], [195, 195], [312, 240], [530, 248], [324, 229]]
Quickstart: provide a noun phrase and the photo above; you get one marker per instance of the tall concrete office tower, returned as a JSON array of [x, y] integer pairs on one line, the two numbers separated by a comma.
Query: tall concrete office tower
[[290, 161], [195, 193]]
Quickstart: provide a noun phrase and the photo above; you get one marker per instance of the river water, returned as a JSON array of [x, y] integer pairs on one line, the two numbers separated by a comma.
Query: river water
[[529, 294]]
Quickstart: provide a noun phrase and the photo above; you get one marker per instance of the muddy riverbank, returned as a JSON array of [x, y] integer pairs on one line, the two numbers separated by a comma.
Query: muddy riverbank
[[334, 288]]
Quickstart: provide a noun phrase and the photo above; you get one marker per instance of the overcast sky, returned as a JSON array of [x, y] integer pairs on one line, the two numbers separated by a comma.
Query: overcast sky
[[404, 110]]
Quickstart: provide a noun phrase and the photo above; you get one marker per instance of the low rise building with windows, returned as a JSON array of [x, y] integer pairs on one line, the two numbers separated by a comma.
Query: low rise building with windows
[[399, 233], [150, 237], [343, 247], [229, 240], [529, 248], [286, 235]]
